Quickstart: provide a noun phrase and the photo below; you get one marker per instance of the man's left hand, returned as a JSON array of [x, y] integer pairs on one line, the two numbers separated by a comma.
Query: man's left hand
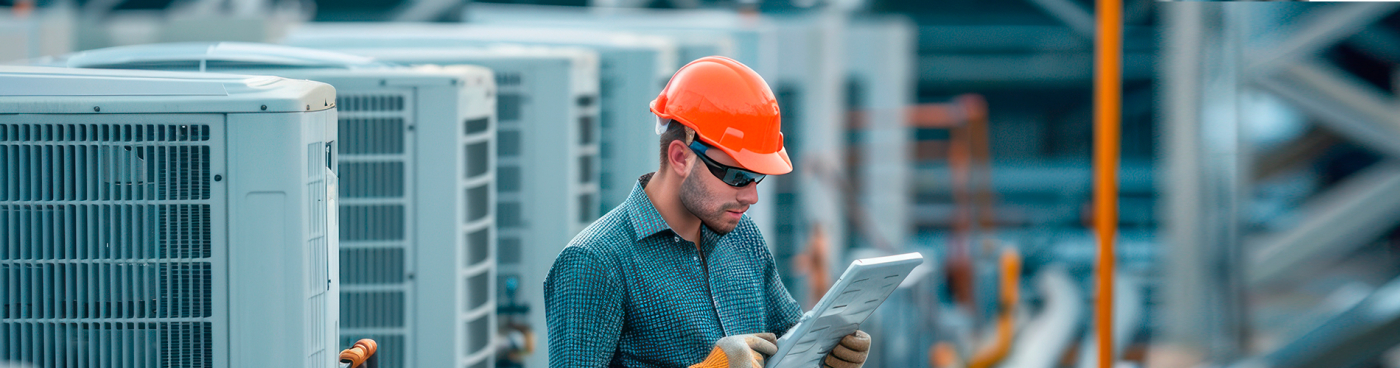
[[850, 353]]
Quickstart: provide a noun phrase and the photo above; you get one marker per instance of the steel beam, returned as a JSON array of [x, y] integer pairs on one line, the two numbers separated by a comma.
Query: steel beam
[[1320, 30], [1205, 179], [1069, 13], [1357, 111], [1351, 214], [1349, 339]]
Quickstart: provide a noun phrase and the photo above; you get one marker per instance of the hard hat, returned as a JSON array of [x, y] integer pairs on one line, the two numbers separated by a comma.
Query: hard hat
[[730, 108]]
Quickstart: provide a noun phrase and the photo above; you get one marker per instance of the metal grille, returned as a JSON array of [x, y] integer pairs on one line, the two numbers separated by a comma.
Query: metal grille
[[478, 264], [318, 261], [108, 245], [376, 188]]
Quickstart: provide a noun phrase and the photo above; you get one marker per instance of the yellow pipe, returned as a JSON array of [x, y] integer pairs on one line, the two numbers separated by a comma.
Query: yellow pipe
[[1010, 293], [1108, 54]]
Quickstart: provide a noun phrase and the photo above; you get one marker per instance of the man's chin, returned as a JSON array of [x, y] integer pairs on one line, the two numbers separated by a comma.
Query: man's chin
[[722, 226]]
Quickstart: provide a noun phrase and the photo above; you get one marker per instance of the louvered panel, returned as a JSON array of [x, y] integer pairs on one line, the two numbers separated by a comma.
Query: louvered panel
[[376, 218], [108, 257], [318, 348]]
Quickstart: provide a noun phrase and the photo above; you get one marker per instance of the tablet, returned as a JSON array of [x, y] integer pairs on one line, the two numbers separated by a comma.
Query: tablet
[[861, 289]]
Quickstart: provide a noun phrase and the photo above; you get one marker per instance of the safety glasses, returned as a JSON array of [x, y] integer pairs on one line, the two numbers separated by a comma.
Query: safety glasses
[[733, 176]]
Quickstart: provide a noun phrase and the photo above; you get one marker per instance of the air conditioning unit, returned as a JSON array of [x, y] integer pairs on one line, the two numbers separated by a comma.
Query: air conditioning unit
[[697, 33], [633, 70], [416, 171], [155, 219], [547, 166], [754, 39]]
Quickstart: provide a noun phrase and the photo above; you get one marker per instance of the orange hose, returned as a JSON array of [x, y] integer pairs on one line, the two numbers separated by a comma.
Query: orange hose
[[1108, 54], [356, 355], [1010, 293]]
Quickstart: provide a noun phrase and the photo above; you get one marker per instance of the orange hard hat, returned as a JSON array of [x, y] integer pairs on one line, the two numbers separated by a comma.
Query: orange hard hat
[[730, 108]]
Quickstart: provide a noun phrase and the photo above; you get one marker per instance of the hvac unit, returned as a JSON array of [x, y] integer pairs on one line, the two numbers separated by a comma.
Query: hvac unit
[[753, 39], [416, 169], [633, 69], [547, 176], [155, 219], [691, 42]]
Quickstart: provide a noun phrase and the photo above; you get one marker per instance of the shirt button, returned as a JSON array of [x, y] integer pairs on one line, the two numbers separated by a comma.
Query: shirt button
[[676, 239]]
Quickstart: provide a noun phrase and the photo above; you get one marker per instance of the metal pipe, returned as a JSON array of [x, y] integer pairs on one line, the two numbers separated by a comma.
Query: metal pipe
[[1108, 105], [1045, 338]]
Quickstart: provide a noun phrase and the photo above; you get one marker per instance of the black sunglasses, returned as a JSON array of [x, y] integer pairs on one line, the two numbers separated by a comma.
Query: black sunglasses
[[733, 176]]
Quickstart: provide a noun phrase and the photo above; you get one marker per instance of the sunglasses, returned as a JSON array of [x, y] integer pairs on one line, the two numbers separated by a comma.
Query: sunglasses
[[733, 176]]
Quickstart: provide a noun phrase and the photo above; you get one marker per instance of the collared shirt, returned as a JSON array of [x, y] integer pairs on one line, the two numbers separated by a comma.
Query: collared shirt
[[629, 292]]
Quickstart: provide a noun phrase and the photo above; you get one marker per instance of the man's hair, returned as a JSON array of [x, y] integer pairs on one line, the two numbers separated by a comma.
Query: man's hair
[[674, 132]]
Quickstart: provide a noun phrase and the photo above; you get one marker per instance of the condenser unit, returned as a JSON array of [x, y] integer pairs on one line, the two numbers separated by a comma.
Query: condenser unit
[[416, 169], [547, 166], [633, 69], [154, 219], [692, 42], [753, 40]]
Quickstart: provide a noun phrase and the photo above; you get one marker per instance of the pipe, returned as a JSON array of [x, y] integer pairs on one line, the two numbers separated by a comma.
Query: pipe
[[1108, 105], [356, 356], [1010, 295], [1045, 338], [1130, 304]]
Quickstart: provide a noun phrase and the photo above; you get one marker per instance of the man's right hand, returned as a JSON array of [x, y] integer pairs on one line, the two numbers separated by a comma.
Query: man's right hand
[[741, 351]]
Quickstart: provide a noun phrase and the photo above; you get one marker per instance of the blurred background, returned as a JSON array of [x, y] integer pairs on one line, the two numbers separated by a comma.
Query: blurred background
[[1259, 192]]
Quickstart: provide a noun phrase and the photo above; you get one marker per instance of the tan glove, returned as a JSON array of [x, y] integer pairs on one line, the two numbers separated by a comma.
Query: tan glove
[[741, 351], [850, 353]]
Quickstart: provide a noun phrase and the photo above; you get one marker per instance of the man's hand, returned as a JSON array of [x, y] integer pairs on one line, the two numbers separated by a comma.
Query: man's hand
[[742, 351], [850, 353]]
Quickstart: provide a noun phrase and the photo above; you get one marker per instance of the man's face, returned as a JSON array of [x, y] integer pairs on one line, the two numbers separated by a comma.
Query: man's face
[[718, 205]]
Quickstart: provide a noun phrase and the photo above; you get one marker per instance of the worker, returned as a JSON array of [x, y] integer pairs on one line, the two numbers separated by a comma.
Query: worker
[[678, 275]]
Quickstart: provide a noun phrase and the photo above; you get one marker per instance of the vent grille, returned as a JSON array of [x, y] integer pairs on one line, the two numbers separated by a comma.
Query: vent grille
[[383, 265], [366, 135], [121, 172], [318, 260], [372, 179], [508, 79], [369, 102], [92, 344], [108, 245], [376, 186], [372, 309]]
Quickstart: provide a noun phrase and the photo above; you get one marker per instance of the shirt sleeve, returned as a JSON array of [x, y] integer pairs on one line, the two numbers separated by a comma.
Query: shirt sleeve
[[783, 311], [583, 308]]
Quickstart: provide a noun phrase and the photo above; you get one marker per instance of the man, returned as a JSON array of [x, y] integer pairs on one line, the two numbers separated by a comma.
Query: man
[[677, 275]]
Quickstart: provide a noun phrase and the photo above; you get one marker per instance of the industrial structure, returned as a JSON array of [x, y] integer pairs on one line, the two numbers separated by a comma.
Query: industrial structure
[[1143, 183]]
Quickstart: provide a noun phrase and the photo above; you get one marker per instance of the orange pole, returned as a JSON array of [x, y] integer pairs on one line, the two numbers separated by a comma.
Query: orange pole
[[1108, 84]]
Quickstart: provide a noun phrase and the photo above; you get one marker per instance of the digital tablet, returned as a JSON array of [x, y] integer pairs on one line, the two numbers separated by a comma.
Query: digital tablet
[[861, 289]]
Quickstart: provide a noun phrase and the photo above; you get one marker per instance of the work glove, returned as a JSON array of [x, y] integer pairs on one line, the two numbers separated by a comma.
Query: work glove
[[850, 353], [741, 351]]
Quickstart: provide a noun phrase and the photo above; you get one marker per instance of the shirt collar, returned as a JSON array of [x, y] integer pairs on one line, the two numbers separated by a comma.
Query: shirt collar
[[647, 221]]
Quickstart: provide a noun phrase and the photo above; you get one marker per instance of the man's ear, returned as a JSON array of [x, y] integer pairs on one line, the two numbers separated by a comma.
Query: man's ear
[[677, 158]]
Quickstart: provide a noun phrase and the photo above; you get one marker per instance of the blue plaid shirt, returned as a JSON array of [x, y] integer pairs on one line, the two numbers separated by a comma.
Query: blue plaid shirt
[[629, 292]]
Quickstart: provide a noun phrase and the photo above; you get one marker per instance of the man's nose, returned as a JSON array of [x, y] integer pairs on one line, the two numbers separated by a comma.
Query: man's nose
[[748, 194]]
